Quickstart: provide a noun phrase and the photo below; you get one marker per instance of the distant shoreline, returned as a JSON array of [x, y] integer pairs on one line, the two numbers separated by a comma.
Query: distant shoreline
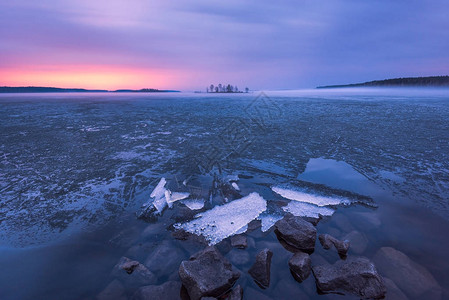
[[37, 89], [431, 81]]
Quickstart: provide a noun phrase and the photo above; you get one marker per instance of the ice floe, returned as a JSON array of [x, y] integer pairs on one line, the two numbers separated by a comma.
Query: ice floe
[[268, 221], [162, 197], [193, 204], [301, 209], [226, 220], [172, 197], [309, 198], [235, 186]]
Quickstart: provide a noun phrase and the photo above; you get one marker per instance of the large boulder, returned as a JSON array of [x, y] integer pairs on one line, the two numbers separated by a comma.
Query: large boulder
[[357, 276], [260, 270], [133, 273], [207, 274], [300, 266], [412, 278], [170, 290], [297, 232], [327, 241]]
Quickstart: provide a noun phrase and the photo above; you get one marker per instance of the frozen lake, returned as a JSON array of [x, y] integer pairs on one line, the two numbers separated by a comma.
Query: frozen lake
[[76, 168]]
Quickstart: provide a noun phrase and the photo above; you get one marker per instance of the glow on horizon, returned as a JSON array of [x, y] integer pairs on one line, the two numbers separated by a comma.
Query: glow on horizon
[[89, 77]]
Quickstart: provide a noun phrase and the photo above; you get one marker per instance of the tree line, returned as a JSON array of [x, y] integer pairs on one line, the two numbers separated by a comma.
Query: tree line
[[222, 88]]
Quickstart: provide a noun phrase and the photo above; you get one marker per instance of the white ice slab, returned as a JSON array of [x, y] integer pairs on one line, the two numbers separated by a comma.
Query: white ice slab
[[268, 221], [159, 190], [172, 197], [226, 220], [193, 204], [309, 198], [301, 209], [235, 186]]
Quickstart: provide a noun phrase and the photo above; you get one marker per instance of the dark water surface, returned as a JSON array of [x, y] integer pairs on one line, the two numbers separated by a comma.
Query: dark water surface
[[75, 168]]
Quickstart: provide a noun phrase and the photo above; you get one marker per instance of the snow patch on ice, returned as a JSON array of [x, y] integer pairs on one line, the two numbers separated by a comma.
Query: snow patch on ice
[[309, 198], [226, 220], [301, 209]]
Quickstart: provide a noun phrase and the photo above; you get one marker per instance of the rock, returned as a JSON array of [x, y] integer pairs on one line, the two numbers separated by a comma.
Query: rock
[[412, 278], [393, 292], [300, 266], [170, 290], [236, 293], [164, 259], [297, 233], [239, 241], [114, 291], [327, 241], [207, 273], [133, 273], [357, 276], [238, 257], [358, 241], [260, 271]]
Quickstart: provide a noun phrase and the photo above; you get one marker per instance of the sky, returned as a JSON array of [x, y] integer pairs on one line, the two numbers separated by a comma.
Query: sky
[[188, 45]]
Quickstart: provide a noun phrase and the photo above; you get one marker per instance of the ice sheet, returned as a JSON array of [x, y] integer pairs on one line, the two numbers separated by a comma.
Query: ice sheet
[[309, 198], [226, 220]]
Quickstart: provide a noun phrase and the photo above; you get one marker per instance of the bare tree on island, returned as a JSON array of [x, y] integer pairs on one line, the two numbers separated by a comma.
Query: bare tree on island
[[246, 90], [223, 88]]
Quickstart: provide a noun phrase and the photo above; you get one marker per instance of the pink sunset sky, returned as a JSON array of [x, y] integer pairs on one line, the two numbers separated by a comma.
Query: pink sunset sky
[[188, 45]]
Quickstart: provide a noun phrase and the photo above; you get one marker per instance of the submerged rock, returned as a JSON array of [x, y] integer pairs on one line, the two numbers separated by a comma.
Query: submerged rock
[[207, 273], [239, 241], [297, 233], [170, 290], [235, 294], [133, 273], [164, 259], [327, 241], [238, 257], [357, 276], [300, 266], [114, 291], [260, 270], [358, 241], [393, 292], [413, 279]]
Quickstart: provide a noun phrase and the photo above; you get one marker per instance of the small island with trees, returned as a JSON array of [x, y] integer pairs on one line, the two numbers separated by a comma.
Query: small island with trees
[[431, 81], [222, 88]]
